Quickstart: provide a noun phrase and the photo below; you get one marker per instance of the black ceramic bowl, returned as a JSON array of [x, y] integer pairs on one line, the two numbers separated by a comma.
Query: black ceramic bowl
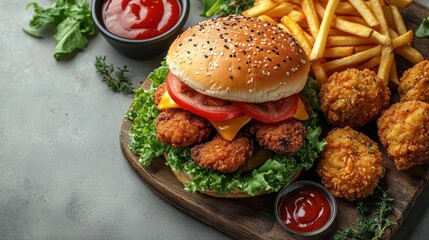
[[140, 49], [305, 185]]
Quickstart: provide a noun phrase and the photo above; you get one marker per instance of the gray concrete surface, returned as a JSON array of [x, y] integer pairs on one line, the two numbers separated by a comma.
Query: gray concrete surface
[[62, 173]]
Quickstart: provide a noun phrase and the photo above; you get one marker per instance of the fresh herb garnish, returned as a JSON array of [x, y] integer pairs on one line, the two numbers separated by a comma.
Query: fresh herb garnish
[[225, 7], [115, 80], [371, 226], [423, 30], [72, 21]]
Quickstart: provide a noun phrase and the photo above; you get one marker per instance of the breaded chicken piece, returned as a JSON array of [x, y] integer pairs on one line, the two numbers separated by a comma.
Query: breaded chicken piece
[[223, 155], [157, 95], [351, 164], [414, 83], [404, 131], [353, 98], [181, 128], [284, 138]]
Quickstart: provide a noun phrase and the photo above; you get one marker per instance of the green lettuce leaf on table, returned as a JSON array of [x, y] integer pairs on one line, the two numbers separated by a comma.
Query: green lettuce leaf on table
[[72, 22], [423, 30]]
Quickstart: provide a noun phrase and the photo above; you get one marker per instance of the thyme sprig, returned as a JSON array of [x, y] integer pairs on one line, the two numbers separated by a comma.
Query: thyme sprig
[[115, 80], [371, 226]]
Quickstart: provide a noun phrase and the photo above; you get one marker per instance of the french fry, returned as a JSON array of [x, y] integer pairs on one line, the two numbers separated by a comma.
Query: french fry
[[381, 38], [402, 40], [309, 38], [282, 9], [353, 28], [311, 16], [362, 48], [398, 20], [347, 41], [379, 14], [400, 3], [355, 19], [389, 17], [336, 32], [338, 52], [393, 75], [298, 33], [259, 9], [297, 16], [351, 61], [410, 53], [322, 36], [385, 64], [366, 13], [347, 9], [266, 18], [371, 63], [284, 28], [319, 73]]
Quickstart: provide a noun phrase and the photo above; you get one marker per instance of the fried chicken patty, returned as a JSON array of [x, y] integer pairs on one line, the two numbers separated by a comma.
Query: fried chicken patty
[[404, 131], [285, 138], [351, 164], [181, 128], [353, 98], [414, 83], [223, 155], [157, 95]]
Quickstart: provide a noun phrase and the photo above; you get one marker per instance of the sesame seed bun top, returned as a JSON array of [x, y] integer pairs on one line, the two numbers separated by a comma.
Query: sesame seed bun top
[[239, 59]]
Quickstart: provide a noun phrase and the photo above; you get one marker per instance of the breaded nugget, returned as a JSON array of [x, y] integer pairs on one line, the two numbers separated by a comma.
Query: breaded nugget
[[414, 83], [157, 95], [223, 155], [404, 131], [181, 128], [285, 137], [353, 98], [351, 164]]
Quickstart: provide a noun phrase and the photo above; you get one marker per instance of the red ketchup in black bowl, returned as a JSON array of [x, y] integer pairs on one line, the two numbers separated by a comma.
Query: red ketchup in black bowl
[[140, 19], [305, 208], [140, 29]]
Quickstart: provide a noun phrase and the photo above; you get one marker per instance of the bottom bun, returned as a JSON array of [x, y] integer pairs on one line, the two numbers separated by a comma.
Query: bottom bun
[[183, 177]]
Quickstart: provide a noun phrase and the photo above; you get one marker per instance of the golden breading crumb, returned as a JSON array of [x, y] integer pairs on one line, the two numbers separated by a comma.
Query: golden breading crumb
[[351, 164], [353, 98], [414, 83], [404, 131]]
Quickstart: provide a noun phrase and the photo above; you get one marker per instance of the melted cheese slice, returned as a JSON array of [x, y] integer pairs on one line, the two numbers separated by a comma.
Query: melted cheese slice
[[301, 112], [229, 128], [166, 102]]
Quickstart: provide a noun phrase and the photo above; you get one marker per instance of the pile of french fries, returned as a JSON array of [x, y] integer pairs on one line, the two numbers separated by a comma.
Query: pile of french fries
[[337, 35]]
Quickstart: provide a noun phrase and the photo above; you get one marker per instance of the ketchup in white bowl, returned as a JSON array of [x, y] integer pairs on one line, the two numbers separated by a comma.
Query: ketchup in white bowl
[[305, 208], [140, 19]]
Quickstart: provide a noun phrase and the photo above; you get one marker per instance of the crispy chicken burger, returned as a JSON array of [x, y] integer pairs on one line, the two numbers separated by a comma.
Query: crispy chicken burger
[[231, 108]]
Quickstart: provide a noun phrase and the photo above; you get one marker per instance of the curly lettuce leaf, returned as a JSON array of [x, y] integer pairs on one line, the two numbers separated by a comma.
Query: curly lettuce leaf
[[274, 174]]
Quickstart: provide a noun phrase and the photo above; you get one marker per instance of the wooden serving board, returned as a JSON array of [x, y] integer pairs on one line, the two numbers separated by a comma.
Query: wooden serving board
[[253, 218]]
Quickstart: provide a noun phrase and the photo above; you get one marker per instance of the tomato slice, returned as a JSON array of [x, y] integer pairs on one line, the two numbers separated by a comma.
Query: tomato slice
[[270, 112], [200, 104]]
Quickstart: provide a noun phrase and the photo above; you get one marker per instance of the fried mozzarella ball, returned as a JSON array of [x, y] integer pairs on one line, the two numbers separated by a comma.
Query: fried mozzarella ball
[[223, 155], [181, 128], [353, 98], [414, 83], [404, 131], [351, 164]]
